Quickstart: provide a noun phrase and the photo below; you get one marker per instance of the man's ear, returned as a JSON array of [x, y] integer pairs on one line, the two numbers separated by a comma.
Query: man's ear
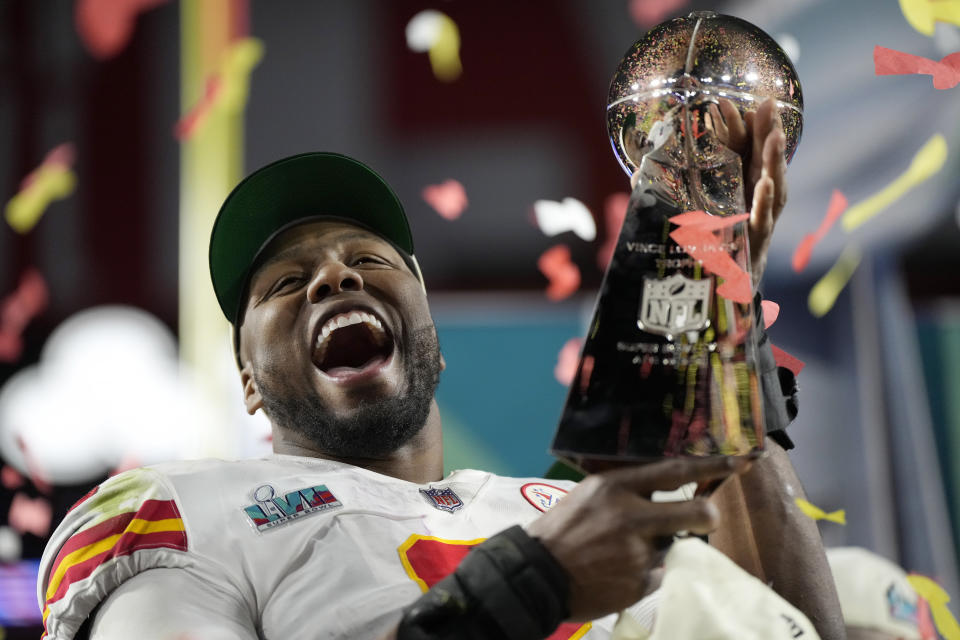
[[251, 395], [443, 363]]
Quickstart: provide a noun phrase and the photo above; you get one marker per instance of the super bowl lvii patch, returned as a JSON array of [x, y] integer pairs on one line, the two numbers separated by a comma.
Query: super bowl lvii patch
[[272, 510]]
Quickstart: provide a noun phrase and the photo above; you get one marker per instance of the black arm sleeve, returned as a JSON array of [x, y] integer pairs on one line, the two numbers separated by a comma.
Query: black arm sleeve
[[509, 587]]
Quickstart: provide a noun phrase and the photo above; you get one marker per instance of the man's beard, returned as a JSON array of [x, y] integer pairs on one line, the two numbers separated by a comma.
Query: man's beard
[[376, 428]]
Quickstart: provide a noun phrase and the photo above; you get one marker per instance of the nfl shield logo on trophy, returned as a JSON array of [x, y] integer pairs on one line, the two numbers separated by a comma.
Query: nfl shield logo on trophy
[[443, 499], [674, 305]]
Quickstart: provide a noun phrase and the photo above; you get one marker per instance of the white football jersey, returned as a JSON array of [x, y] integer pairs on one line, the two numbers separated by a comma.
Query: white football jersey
[[299, 547]]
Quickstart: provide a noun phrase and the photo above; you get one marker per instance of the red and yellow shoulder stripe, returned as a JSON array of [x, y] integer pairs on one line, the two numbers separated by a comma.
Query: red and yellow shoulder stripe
[[123, 516]]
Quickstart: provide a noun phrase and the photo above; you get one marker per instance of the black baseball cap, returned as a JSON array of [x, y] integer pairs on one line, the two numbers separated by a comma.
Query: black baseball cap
[[291, 191]]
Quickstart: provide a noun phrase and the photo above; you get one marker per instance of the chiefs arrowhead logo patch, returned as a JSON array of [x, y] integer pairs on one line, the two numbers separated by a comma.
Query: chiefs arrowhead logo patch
[[542, 496]]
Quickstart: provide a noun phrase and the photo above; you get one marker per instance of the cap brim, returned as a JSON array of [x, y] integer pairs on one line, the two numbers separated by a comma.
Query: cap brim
[[299, 187]]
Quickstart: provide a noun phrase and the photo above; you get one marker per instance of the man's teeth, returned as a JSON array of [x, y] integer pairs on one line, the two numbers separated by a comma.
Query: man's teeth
[[347, 319]]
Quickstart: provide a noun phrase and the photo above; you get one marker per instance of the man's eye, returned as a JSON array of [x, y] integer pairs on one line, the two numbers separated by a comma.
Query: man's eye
[[359, 260], [286, 284]]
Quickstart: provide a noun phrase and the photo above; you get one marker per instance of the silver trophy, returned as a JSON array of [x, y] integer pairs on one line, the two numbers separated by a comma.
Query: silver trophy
[[668, 367]]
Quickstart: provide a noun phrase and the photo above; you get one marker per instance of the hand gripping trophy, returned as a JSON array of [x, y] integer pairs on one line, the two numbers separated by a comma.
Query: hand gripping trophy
[[668, 367]]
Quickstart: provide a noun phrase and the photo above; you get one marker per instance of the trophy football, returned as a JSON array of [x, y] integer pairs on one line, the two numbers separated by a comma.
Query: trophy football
[[669, 367]]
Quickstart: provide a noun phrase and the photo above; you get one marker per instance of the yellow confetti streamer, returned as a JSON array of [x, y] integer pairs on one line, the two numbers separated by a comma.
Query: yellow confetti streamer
[[813, 511], [824, 294], [238, 63], [51, 182], [928, 160], [937, 598], [923, 14], [445, 51]]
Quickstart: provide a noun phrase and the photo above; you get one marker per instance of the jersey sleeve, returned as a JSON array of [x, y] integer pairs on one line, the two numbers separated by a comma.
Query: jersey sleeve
[[173, 603], [127, 525]]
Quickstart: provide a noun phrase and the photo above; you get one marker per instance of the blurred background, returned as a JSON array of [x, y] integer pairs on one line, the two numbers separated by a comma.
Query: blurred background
[[124, 123]]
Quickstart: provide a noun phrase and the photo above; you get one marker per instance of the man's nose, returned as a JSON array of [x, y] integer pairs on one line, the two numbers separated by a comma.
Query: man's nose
[[333, 278]]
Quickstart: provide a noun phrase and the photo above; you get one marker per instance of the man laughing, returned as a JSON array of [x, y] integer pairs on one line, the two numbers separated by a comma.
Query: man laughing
[[350, 529]]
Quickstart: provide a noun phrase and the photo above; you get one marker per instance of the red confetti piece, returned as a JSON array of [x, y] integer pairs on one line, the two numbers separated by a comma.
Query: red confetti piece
[[801, 255], [127, 462], [448, 198], [784, 359], [945, 72], [702, 245], [10, 478], [191, 121], [30, 515], [707, 222], [16, 312], [925, 620], [563, 274], [614, 211], [586, 372], [567, 361], [770, 312], [650, 12], [106, 26], [34, 471], [646, 367]]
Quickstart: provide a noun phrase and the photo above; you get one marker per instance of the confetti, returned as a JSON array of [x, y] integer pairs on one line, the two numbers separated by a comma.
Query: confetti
[[17, 310], [937, 598], [707, 222], [52, 180], [191, 121], [646, 13], [787, 361], [448, 198], [30, 515], [106, 26], [61, 156], [239, 61], [127, 462], [945, 72], [696, 237], [824, 293], [569, 215], [567, 361], [586, 372], [927, 161], [770, 312], [228, 90], [563, 274], [10, 478], [34, 470], [614, 212], [801, 255], [813, 511], [923, 14], [437, 34]]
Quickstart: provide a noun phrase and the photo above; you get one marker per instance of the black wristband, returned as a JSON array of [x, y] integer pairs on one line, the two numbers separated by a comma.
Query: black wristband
[[510, 587], [778, 383]]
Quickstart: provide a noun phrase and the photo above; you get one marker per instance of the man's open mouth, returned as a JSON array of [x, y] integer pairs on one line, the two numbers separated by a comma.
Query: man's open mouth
[[350, 342]]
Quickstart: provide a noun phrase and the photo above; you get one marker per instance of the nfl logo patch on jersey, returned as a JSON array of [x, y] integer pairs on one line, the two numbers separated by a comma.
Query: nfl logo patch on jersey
[[541, 495], [443, 499]]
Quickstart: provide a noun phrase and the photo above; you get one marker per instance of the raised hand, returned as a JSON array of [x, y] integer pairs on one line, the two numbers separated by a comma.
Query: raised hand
[[608, 535]]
